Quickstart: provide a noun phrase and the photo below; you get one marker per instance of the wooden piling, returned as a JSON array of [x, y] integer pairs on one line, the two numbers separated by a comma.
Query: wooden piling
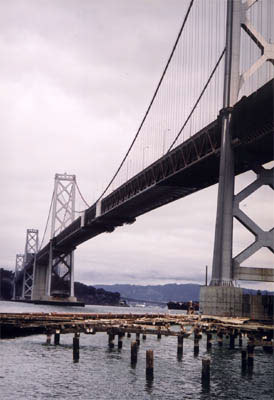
[[196, 341], [159, 335], [267, 346], [76, 354], [134, 349], [120, 340], [205, 371], [267, 343], [180, 346], [220, 338], [48, 341], [138, 338], [244, 359], [231, 341], [208, 340], [149, 364], [57, 339], [240, 339], [111, 338], [250, 355]]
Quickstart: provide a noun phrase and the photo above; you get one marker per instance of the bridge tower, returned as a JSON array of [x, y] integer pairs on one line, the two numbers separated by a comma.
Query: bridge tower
[[19, 265], [31, 249], [222, 297], [55, 280], [60, 280]]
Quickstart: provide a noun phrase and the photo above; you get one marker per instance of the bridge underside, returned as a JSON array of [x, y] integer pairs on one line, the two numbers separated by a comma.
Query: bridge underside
[[190, 167]]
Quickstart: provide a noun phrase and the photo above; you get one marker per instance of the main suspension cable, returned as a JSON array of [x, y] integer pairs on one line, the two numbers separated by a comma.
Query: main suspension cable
[[82, 197], [152, 100], [47, 220]]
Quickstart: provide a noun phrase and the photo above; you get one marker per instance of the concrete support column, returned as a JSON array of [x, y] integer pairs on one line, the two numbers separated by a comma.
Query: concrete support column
[[49, 270], [39, 282], [222, 258], [72, 275]]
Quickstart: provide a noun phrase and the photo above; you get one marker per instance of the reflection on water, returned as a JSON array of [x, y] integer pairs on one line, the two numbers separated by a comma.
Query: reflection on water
[[149, 386], [30, 369]]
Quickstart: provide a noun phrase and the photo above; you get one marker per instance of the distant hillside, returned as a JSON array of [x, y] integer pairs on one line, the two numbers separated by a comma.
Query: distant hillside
[[6, 284], [91, 295], [87, 294], [161, 293]]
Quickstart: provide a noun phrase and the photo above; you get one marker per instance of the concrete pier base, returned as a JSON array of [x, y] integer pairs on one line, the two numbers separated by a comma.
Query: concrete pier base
[[69, 299], [230, 301], [52, 301], [55, 302], [61, 301]]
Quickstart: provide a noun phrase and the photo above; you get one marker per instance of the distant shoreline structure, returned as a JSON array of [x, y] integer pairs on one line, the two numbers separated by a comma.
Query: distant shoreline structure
[[183, 305]]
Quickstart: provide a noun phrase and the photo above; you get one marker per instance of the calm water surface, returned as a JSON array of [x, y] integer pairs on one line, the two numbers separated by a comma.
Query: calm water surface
[[29, 369]]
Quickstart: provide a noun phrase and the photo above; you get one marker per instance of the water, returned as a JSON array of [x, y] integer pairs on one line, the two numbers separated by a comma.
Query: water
[[29, 369]]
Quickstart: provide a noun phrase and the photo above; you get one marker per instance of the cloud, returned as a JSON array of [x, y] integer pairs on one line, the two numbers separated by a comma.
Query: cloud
[[76, 79]]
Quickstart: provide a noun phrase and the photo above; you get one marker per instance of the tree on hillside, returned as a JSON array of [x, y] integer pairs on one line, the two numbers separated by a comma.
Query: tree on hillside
[[6, 284]]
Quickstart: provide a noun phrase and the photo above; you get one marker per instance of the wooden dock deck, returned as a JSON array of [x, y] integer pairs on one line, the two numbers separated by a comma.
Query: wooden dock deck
[[22, 324], [182, 326]]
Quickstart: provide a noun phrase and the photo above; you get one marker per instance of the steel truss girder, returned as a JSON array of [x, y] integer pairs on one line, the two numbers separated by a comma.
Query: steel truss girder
[[28, 282], [252, 120], [266, 48], [19, 263], [205, 143], [190, 152], [60, 273], [61, 268], [262, 238], [63, 211], [109, 224]]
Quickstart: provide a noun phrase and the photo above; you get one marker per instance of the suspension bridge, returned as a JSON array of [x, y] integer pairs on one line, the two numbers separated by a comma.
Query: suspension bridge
[[209, 119]]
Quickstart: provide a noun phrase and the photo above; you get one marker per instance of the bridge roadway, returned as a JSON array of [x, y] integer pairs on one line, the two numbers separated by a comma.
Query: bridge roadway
[[191, 166]]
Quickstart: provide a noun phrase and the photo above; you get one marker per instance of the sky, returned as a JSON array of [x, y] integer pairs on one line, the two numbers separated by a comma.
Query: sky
[[76, 78]]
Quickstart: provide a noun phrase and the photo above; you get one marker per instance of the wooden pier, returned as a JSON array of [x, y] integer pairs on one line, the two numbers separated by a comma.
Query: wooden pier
[[181, 326], [16, 325]]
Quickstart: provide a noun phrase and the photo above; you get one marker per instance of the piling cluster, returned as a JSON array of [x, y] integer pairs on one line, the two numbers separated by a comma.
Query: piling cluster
[[119, 325]]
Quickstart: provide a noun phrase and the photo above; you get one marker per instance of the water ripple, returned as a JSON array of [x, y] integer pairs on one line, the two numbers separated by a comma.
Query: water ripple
[[31, 369]]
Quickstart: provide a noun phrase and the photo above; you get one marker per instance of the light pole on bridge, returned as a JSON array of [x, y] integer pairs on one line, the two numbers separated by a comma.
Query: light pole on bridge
[[144, 148], [164, 140]]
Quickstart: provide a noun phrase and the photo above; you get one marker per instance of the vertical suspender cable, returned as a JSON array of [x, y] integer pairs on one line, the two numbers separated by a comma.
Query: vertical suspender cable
[[152, 100]]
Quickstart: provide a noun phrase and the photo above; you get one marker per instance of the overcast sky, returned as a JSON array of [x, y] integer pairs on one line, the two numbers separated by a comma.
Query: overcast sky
[[76, 78]]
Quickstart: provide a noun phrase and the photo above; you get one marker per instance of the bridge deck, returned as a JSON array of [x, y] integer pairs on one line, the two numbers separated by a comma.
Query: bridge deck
[[191, 166]]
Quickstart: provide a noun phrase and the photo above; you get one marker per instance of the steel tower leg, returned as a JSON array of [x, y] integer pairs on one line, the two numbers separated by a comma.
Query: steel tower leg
[[221, 297], [31, 249], [60, 274], [19, 264], [262, 238], [222, 258], [222, 269]]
